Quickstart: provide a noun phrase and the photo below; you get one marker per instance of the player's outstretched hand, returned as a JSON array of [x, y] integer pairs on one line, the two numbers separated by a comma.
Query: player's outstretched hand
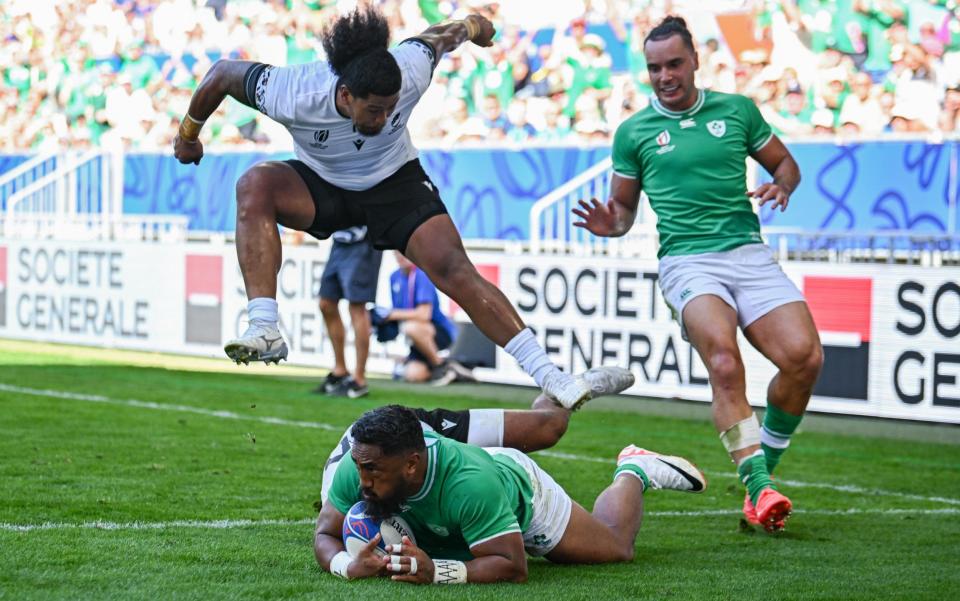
[[187, 151], [771, 192], [487, 30], [368, 562], [408, 563], [598, 218]]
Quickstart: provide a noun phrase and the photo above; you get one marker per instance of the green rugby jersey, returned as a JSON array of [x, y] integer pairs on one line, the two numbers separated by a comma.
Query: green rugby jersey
[[468, 497], [692, 167]]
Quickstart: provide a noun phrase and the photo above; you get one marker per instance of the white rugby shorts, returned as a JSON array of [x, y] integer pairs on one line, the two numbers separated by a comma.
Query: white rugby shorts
[[551, 505], [748, 278]]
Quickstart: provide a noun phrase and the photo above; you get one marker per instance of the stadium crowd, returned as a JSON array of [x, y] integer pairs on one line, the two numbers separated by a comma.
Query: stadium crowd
[[120, 73]]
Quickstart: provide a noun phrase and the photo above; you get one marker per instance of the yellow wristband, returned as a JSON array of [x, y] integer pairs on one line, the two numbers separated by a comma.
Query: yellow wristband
[[190, 128], [473, 29]]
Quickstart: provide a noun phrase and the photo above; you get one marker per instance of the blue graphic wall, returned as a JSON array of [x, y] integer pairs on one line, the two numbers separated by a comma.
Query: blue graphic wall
[[896, 185], [874, 186]]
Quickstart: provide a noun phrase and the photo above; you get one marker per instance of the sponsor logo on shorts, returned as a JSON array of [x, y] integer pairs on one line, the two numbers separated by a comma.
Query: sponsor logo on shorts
[[717, 128], [686, 292], [841, 309], [541, 540]]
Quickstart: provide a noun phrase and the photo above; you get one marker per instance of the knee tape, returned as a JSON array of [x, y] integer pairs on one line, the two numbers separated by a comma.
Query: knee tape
[[743, 434]]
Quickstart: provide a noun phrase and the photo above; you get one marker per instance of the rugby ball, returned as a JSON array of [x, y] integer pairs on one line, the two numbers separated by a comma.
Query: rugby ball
[[359, 529]]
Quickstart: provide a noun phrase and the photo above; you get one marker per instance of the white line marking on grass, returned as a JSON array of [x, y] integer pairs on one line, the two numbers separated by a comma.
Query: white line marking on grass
[[227, 524], [96, 398], [214, 525], [847, 488]]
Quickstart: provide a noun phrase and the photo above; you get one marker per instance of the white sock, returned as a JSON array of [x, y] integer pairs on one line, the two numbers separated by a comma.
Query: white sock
[[530, 355], [263, 309]]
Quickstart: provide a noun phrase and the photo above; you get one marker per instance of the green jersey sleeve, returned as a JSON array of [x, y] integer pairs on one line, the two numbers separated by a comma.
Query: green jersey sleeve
[[481, 513], [345, 489], [758, 130], [626, 151]]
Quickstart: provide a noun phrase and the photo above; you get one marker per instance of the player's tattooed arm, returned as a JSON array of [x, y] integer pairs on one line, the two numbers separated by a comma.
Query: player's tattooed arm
[[226, 77], [446, 37]]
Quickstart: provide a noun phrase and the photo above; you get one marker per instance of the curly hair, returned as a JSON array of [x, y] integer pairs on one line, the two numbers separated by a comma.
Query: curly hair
[[671, 25], [393, 428], [356, 47]]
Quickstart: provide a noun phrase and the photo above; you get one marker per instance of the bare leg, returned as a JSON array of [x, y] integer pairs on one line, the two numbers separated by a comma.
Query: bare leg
[[268, 194], [538, 428], [416, 371], [331, 319], [423, 336], [712, 327], [607, 535], [788, 337], [360, 320], [436, 248]]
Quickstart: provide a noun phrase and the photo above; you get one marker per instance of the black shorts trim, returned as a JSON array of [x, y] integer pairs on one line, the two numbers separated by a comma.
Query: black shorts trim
[[451, 424], [392, 210]]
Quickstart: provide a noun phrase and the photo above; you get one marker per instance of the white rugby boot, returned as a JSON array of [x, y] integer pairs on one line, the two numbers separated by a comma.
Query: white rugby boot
[[261, 342], [572, 392], [663, 471]]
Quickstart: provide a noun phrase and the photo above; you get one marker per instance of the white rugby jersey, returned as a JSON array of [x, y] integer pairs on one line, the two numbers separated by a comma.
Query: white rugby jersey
[[302, 98]]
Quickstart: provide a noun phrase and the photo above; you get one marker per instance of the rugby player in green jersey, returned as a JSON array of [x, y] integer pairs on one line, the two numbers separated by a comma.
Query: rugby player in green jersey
[[687, 151], [475, 512]]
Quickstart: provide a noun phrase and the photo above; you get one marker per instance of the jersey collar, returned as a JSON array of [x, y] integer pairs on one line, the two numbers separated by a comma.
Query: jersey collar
[[431, 474], [697, 105]]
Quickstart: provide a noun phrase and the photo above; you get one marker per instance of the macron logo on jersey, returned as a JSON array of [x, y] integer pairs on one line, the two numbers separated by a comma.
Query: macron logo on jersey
[[359, 143]]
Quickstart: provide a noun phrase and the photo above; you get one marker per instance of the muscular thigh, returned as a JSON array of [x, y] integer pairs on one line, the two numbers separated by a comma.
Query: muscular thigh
[[785, 335], [281, 185]]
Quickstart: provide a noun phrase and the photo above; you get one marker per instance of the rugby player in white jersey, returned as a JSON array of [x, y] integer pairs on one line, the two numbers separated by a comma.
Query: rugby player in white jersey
[[477, 512], [356, 165]]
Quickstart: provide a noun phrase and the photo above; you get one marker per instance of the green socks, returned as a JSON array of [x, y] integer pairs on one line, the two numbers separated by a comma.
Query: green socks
[[778, 426], [753, 473], [634, 470]]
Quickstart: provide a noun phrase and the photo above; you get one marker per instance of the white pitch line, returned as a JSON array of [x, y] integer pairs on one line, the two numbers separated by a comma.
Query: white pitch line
[[227, 524], [96, 398], [214, 525]]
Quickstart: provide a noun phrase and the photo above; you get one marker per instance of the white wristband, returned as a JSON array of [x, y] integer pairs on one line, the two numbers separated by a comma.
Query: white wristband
[[449, 571], [340, 563]]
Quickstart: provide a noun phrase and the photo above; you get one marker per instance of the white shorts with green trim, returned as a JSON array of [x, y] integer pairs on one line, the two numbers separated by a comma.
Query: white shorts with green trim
[[551, 505], [748, 278]]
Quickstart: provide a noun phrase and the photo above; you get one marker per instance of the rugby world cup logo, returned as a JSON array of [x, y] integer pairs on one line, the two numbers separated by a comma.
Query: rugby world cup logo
[[204, 302], [664, 138], [320, 138], [3, 286], [842, 310]]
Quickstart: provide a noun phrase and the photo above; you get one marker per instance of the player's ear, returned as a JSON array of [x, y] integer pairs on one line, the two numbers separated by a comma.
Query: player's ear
[[413, 460]]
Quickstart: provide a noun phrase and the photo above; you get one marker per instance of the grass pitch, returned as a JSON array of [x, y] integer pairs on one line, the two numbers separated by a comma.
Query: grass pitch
[[134, 476]]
